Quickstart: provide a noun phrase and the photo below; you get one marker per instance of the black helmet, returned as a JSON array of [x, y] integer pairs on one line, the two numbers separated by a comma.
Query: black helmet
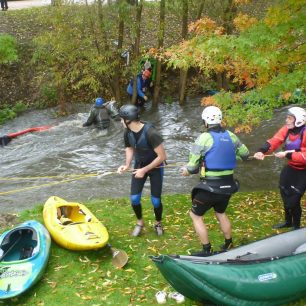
[[129, 112]]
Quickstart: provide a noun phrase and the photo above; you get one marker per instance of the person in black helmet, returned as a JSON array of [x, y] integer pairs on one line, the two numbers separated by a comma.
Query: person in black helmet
[[144, 144]]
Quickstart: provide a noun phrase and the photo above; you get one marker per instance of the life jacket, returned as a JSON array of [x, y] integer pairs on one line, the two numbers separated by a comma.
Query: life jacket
[[221, 155], [102, 120], [144, 153], [294, 144]]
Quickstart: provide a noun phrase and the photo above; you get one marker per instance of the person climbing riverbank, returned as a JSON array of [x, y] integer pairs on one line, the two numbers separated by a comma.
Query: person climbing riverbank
[[214, 155], [144, 144], [143, 83], [292, 181]]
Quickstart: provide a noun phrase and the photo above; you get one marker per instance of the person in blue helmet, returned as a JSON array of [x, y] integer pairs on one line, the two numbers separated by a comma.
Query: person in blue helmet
[[100, 114], [144, 144]]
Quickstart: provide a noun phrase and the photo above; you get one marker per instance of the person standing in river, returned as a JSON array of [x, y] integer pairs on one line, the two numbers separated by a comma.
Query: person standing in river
[[4, 6], [100, 114], [292, 182], [144, 144], [214, 155]]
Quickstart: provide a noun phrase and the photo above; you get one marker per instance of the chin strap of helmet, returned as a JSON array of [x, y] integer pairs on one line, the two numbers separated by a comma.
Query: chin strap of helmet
[[127, 123]]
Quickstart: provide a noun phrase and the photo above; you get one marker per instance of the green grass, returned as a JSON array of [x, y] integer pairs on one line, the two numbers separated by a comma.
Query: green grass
[[89, 278]]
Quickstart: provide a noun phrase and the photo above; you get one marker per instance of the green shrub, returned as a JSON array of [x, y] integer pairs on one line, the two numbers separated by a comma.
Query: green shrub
[[49, 94], [6, 114], [8, 49], [19, 107], [9, 113]]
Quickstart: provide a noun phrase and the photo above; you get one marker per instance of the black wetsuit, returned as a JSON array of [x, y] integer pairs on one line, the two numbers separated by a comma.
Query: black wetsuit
[[144, 142]]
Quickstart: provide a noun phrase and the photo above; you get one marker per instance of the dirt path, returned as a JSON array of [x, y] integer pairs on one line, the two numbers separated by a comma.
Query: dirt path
[[17, 5]]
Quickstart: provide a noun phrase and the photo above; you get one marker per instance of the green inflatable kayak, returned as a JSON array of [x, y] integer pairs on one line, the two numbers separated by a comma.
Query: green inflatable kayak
[[271, 271]]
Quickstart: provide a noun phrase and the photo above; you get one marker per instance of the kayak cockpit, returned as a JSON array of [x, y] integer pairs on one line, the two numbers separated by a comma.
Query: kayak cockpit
[[19, 244]]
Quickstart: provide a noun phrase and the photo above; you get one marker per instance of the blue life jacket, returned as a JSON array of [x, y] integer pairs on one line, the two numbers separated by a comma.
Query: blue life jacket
[[221, 155], [144, 153], [295, 144]]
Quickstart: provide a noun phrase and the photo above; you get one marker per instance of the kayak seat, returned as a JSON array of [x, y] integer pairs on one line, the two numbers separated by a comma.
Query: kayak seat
[[65, 221], [26, 252]]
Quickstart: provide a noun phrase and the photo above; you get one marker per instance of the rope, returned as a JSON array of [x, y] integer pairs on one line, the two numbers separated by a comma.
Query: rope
[[70, 178], [46, 177], [252, 157], [42, 185], [79, 175]]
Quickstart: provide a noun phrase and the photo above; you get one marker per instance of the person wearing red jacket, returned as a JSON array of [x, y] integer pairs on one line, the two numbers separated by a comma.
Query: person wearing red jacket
[[292, 182]]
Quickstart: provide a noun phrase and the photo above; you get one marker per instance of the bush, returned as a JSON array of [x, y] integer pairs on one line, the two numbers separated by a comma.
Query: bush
[[8, 49], [9, 113]]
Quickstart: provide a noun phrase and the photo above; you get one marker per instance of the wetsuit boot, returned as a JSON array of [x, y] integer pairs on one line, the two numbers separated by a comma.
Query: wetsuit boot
[[287, 222], [205, 252], [228, 244], [296, 214]]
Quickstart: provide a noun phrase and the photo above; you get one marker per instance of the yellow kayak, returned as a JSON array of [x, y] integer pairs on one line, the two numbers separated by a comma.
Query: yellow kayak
[[73, 226]]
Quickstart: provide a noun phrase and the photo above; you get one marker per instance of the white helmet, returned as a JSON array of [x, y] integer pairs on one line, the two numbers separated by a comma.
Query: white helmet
[[212, 115], [299, 114]]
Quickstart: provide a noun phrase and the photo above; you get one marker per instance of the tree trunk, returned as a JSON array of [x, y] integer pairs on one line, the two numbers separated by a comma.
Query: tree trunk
[[219, 80], [201, 8], [228, 17], [161, 35], [183, 72], [116, 79], [137, 45], [61, 102], [113, 79]]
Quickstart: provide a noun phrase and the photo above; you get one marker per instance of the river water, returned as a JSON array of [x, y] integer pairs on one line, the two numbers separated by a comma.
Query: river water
[[68, 149]]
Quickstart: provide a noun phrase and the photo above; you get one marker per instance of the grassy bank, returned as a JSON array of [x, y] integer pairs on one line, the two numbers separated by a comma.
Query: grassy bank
[[88, 278]]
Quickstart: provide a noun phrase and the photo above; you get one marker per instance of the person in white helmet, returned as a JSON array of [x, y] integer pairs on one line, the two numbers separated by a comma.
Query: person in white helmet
[[214, 155], [292, 182]]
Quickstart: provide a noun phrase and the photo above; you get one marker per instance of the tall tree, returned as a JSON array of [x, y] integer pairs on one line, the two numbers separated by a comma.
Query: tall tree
[[229, 14], [136, 53], [183, 71], [200, 9], [160, 44], [116, 79]]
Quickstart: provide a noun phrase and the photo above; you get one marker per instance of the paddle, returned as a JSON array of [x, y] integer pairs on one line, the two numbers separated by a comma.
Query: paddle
[[120, 258]]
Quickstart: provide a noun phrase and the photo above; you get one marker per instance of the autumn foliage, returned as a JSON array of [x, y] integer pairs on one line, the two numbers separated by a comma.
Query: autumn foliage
[[205, 26], [263, 61], [243, 21]]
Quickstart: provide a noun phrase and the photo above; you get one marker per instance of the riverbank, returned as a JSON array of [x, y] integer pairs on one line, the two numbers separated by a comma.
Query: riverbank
[[88, 278]]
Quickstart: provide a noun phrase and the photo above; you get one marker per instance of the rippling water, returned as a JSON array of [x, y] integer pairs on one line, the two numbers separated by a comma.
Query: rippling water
[[69, 149]]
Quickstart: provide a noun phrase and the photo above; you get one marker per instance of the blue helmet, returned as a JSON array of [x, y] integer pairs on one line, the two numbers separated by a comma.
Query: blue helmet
[[99, 101]]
